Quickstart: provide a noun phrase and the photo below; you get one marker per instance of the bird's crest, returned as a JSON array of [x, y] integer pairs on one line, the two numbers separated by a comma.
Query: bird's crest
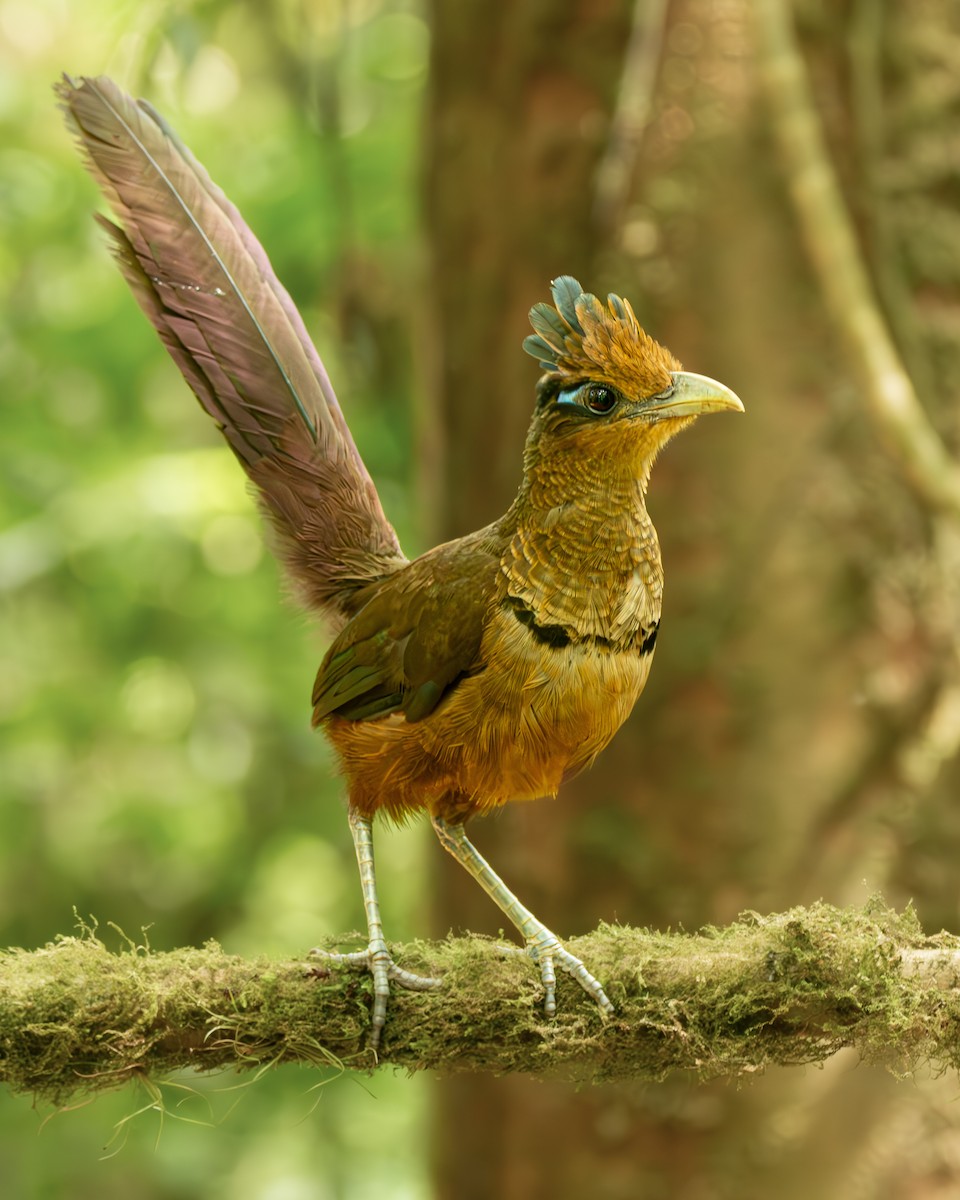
[[581, 338]]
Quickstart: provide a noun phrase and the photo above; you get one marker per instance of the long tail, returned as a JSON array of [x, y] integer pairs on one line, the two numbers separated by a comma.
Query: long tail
[[207, 287]]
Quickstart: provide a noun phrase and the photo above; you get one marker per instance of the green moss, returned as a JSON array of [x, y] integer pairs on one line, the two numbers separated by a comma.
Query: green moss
[[789, 988]]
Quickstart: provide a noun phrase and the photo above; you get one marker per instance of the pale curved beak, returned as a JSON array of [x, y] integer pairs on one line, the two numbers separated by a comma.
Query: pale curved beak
[[691, 395]]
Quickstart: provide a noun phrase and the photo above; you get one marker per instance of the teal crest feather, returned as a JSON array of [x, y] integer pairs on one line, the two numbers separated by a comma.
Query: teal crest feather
[[580, 337]]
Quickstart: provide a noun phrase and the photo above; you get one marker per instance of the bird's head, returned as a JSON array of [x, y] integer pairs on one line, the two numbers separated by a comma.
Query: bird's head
[[609, 391]]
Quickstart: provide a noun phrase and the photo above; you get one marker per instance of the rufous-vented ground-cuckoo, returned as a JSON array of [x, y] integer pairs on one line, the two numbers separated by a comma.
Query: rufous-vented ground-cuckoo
[[491, 668]]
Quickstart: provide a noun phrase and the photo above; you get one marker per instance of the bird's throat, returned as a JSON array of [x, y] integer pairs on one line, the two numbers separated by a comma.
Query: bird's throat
[[583, 556]]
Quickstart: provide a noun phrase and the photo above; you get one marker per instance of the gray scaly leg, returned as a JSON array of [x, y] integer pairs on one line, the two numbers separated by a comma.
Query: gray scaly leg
[[376, 958], [543, 946]]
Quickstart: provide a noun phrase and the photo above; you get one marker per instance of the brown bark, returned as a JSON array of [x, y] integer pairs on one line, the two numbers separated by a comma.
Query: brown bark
[[519, 108], [520, 102]]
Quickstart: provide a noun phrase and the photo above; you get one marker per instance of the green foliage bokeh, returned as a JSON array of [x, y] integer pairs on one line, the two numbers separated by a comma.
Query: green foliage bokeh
[[157, 769]]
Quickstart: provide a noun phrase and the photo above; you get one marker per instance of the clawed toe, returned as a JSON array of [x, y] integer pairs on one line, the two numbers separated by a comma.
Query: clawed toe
[[365, 959], [376, 959], [549, 953]]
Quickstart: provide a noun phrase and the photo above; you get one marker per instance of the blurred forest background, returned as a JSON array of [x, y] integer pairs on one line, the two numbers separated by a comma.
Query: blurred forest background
[[418, 172]]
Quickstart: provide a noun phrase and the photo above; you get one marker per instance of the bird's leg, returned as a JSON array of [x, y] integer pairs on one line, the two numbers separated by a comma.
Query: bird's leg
[[376, 958], [543, 946]]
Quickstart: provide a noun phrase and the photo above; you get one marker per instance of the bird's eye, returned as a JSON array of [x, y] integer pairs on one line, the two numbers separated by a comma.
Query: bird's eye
[[594, 398], [600, 399]]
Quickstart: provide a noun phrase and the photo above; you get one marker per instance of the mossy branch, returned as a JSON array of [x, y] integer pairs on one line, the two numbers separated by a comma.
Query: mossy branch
[[787, 989]]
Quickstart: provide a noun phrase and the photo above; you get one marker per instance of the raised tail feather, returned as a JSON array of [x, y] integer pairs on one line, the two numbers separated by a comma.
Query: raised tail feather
[[205, 283]]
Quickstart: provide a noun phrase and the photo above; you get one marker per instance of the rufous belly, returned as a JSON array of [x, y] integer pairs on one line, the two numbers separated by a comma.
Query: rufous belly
[[513, 731]]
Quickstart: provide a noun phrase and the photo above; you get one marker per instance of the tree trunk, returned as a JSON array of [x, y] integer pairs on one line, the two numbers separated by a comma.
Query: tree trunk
[[519, 109]]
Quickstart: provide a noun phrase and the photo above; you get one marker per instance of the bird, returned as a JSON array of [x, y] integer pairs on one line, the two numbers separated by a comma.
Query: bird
[[496, 665]]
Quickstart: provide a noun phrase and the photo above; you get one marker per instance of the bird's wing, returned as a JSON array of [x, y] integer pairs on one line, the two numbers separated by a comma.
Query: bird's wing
[[205, 283], [414, 640]]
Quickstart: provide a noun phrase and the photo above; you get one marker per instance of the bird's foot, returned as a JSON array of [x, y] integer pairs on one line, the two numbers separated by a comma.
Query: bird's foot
[[548, 953], [376, 959]]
